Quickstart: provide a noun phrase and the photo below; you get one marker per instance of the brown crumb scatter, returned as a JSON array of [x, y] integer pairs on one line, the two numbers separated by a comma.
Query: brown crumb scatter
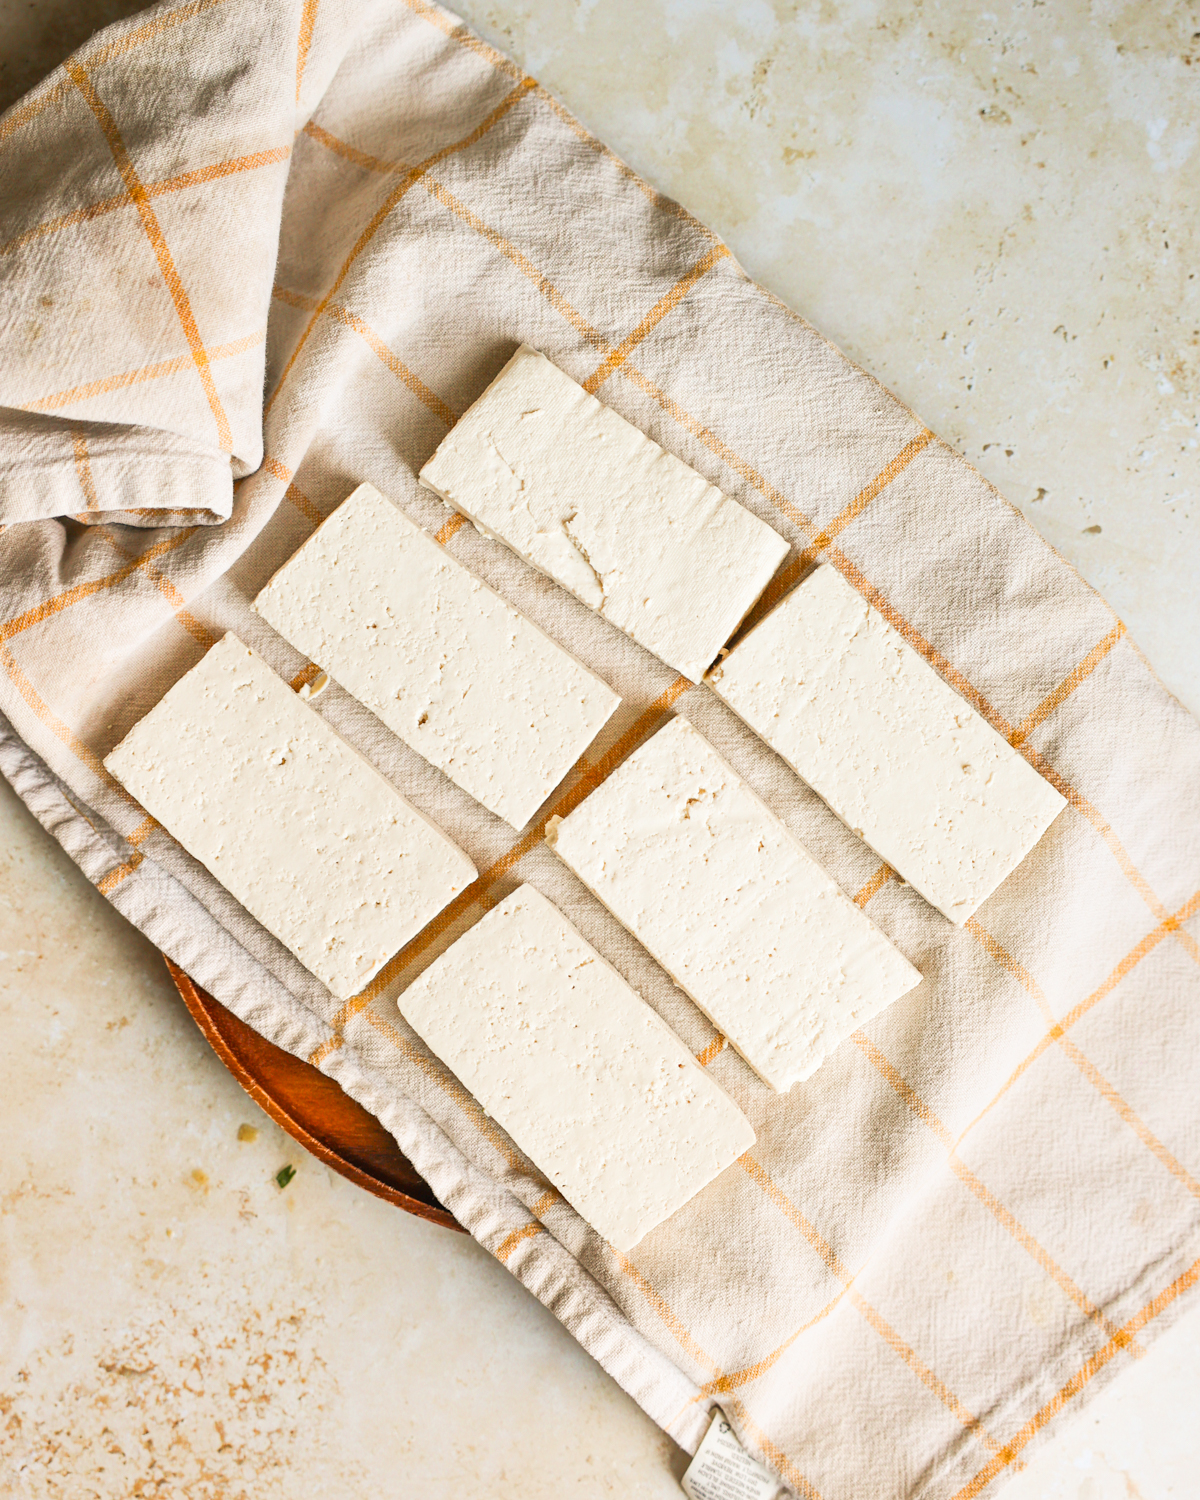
[[181, 1406]]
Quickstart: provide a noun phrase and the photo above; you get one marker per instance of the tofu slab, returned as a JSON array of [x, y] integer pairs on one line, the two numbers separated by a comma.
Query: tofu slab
[[735, 909], [442, 660], [895, 752], [576, 1067], [582, 494], [292, 821]]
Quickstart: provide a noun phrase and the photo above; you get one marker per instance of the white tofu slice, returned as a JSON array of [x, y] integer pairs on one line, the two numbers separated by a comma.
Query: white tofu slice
[[743, 919], [444, 662], [576, 1067], [292, 821], [897, 754], [630, 529]]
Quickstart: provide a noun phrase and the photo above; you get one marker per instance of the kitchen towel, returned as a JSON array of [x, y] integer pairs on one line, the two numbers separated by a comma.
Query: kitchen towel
[[256, 251]]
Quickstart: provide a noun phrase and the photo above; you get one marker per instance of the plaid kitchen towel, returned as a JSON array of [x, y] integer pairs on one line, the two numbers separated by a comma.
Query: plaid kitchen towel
[[988, 1200]]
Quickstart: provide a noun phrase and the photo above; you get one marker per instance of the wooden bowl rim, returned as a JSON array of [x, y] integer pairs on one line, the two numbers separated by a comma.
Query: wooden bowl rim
[[198, 1002]]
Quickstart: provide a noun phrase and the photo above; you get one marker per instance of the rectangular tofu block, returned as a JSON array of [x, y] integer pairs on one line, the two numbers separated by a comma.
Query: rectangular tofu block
[[895, 752], [447, 664], [292, 821], [743, 919], [630, 529], [587, 1080]]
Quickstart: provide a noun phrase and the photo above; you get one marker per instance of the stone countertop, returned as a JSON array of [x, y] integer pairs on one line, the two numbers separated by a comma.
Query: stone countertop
[[995, 211]]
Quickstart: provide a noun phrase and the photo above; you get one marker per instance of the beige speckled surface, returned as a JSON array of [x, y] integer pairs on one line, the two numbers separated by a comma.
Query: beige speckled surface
[[994, 211]]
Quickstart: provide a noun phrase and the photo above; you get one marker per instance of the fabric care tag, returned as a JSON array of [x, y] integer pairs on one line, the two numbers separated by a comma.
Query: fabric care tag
[[723, 1470]]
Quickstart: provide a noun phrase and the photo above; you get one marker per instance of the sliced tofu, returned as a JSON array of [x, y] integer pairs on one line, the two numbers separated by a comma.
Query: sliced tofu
[[731, 904], [442, 660], [897, 754], [294, 823], [582, 494], [576, 1067]]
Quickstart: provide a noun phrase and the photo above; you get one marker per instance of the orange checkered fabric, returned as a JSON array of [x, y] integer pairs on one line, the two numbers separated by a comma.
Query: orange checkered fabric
[[253, 253]]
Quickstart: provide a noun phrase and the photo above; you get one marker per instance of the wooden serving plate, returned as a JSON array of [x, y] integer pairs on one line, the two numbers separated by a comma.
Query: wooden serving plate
[[312, 1108]]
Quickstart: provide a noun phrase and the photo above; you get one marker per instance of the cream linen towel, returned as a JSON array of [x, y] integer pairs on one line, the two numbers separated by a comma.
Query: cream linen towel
[[987, 1201]]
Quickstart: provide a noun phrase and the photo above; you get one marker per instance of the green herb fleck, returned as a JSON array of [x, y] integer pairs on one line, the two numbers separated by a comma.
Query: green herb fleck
[[285, 1175]]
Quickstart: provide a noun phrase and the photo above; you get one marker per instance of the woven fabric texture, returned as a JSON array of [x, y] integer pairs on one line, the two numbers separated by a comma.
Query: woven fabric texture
[[253, 253]]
